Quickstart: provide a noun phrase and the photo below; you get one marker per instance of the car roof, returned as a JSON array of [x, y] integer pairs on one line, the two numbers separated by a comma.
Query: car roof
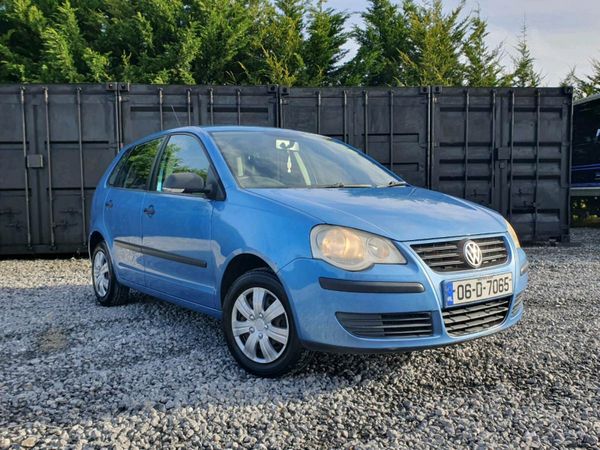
[[205, 130]]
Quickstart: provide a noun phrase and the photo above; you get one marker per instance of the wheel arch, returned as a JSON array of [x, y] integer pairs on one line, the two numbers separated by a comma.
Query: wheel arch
[[239, 265], [95, 238]]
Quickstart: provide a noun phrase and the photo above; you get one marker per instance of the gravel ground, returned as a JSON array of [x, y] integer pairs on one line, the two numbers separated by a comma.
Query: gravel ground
[[150, 374]]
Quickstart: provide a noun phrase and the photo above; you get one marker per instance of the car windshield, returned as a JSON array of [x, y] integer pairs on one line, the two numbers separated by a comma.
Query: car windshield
[[280, 159]]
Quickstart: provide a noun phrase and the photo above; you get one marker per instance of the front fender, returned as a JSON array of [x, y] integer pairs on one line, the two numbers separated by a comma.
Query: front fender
[[276, 235]]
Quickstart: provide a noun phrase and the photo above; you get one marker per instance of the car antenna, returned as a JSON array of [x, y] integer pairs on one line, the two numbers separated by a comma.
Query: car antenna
[[176, 118]]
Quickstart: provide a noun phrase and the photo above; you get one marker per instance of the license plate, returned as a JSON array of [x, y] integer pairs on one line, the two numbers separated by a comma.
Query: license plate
[[475, 289]]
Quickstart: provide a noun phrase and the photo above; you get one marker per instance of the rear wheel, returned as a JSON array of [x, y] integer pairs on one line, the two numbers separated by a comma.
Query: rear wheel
[[259, 327], [109, 292]]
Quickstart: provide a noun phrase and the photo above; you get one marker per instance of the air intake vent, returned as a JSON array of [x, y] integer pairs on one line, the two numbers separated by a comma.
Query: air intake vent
[[475, 318], [446, 257], [397, 325]]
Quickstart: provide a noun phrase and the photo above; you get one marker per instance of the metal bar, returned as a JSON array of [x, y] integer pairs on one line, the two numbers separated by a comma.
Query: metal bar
[[120, 105], [512, 146], [189, 105], [160, 107], [430, 135], [366, 117], [345, 116], [199, 108], [211, 102], [281, 112], [81, 168], [466, 160], [537, 162], [391, 130], [318, 112], [27, 200], [569, 159], [117, 121], [49, 153], [493, 150], [238, 103]]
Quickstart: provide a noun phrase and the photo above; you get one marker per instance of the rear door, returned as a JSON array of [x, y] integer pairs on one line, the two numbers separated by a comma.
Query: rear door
[[123, 209], [176, 224]]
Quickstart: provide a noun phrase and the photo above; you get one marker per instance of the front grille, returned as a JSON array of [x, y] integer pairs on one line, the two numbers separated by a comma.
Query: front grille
[[471, 319], [445, 256], [396, 325]]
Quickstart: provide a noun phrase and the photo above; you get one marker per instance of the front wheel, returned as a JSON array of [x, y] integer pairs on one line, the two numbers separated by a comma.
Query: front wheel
[[258, 326]]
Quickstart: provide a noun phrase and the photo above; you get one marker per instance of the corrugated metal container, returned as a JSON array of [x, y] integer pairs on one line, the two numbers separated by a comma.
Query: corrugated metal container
[[508, 149]]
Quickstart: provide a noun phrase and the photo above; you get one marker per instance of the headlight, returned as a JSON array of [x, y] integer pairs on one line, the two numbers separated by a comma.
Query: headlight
[[513, 234], [352, 249]]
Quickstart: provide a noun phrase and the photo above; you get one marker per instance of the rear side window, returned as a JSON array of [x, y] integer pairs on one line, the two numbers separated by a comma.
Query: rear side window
[[133, 171]]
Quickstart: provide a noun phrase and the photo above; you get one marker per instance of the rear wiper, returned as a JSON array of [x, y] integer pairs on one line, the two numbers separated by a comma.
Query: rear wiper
[[393, 183], [342, 185]]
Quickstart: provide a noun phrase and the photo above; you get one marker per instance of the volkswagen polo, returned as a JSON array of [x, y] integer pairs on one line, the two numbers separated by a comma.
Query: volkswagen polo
[[299, 243]]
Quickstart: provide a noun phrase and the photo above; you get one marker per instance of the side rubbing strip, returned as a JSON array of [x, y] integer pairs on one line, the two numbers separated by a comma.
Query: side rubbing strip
[[375, 287], [160, 254]]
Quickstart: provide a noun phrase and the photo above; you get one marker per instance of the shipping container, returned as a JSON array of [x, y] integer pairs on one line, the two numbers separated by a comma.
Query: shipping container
[[508, 149]]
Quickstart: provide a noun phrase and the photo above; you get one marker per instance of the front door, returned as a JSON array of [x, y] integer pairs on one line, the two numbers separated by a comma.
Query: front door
[[176, 224], [123, 207]]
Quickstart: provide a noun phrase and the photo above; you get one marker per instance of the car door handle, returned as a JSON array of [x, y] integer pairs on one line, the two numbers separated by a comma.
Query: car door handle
[[109, 204], [149, 211]]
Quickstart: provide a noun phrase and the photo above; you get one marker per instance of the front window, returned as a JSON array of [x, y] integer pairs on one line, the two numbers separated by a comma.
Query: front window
[[279, 159], [183, 165]]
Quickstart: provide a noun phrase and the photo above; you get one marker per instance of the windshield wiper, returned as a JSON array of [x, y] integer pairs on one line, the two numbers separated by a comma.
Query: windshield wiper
[[393, 183], [342, 185]]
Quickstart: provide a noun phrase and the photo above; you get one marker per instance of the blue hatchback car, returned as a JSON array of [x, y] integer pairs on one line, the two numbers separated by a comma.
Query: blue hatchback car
[[300, 243]]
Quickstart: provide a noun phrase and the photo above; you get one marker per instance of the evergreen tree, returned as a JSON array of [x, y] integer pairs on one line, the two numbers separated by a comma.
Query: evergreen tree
[[323, 47], [227, 33], [382, 40], [571, 80], [590, 85], [437, 39], [524, 73], [281, 42], [482, 67]]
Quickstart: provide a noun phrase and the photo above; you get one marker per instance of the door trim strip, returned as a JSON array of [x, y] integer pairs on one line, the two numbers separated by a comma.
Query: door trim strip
[[161, 254]]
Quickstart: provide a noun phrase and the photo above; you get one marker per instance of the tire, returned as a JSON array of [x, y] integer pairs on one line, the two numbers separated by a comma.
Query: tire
[[258, 345], [109, 292]]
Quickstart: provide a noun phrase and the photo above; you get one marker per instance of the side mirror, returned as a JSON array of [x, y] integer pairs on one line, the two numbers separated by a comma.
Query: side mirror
[[186, 183]]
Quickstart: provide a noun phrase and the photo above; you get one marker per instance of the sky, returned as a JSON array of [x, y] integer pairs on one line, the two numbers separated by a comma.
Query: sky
[[561, 33]]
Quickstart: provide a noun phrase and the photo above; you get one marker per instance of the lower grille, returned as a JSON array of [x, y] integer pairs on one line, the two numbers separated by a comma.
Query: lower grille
[[396, 325], [471, 319]]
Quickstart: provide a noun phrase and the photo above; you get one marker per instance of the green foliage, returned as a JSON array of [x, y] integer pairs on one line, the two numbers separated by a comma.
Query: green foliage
[[322, 51], [524, 73], [482, 66], [437, 41], [383, 39], [583, 87], [287, 42]]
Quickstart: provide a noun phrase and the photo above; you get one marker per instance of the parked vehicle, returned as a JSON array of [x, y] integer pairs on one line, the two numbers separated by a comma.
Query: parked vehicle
[[585, 177], [300, 242]]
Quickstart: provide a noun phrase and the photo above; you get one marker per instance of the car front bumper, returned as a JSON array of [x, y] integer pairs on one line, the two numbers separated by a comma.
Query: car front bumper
[[315, 304]]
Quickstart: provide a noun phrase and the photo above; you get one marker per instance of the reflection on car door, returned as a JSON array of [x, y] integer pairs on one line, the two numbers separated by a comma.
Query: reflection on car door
[[122, 209], [176, 223]]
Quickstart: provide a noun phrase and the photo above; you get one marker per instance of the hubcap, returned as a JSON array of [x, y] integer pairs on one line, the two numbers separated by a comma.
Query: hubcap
[[260, 325], [101, 273]]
